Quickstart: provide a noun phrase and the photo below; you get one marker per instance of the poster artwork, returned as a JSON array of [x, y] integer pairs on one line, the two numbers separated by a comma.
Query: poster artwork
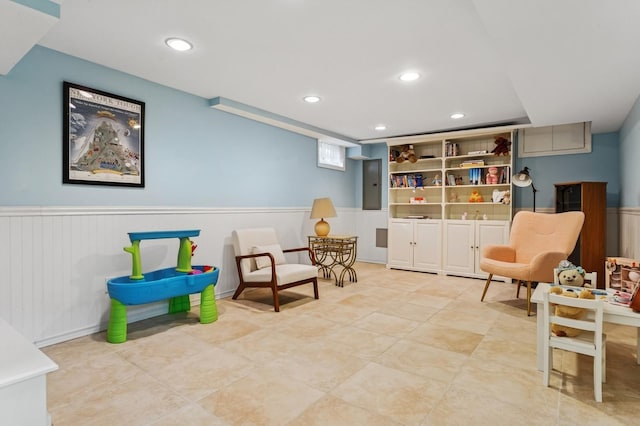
[[104, 138]]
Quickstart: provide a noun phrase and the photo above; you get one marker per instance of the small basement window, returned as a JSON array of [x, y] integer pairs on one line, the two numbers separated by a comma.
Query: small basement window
[[331, 156]]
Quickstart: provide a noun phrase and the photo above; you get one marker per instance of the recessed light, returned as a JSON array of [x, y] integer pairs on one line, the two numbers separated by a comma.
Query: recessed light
[[457, 115], [178, 44], [380, 127], [312, 99], [409, 76]]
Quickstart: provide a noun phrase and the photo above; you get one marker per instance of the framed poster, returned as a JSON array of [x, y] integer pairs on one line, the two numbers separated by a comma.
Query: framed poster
[[103, 138]]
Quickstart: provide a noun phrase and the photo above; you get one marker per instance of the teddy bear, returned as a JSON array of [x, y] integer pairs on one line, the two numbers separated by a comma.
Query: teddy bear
[[506, 199], [502, 146], [571, 275], [569, 311], [492, 176], [406, 153]]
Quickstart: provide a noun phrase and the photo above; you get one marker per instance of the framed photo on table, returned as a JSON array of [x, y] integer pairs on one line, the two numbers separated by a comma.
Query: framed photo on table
[[103, 138]]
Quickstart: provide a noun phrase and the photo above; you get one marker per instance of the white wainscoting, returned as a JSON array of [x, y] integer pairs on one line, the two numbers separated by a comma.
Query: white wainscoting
[[55, 261], [367, 221], [629, 232]]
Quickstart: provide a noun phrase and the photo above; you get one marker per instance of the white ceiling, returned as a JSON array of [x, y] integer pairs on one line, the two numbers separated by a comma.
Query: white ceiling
[[498, 61]]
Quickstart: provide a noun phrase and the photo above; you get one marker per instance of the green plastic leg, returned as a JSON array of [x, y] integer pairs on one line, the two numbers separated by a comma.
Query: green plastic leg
[[179, 304], [208, 307], [117, 328]]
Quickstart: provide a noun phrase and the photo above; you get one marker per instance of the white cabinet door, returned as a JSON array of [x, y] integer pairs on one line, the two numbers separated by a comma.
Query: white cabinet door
[[489, 232], [427, 250], [459, 246], [555, 140], [400, 250]]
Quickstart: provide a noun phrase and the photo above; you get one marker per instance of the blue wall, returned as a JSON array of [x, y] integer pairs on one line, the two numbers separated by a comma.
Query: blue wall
[[198, 156], [195, 155], [601, 165], [630, 157]]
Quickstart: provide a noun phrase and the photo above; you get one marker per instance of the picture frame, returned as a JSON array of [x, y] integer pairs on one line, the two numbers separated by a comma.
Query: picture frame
[[103, 138]]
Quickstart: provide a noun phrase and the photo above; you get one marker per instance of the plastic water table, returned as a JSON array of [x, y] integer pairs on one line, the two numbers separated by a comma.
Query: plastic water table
[[175, 284]]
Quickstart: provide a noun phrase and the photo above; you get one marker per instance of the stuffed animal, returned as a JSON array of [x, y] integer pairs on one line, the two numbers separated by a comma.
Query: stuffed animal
[[569, 311], [506, 199], [498, 196], [475, 197], [571, 275], [406, 153], [502, 146], [492, 175]]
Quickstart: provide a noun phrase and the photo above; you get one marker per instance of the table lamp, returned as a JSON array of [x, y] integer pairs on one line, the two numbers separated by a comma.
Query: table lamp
[[322, 207], [523, 179]]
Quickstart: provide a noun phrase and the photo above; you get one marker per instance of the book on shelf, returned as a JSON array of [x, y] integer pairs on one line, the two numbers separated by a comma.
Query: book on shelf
[[475, 176], [452, 149], [407, 181], [472, 163], [505, 174]]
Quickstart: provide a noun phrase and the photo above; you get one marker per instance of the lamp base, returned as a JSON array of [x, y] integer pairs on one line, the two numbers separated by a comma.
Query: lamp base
[[322, 228]]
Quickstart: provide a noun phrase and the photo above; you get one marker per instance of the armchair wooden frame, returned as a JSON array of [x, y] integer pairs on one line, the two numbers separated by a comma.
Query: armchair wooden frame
[[277, 279]]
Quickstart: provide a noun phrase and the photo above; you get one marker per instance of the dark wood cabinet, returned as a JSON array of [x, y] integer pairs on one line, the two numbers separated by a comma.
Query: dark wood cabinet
[[591, 199]]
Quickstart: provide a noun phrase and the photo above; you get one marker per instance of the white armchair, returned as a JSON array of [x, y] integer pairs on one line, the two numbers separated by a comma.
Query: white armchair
[[261, 263]]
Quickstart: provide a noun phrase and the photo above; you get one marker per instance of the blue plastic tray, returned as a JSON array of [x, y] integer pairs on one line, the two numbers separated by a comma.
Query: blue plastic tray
[[160, 285]]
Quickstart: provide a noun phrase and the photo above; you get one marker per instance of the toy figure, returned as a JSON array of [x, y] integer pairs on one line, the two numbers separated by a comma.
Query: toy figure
[[475, 197], [492, 176]]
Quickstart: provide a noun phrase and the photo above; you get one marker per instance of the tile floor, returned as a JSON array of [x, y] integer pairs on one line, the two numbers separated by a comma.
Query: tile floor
[[395, 348]]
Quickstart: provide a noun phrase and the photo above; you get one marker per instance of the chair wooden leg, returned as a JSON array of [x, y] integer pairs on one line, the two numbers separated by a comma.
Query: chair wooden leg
[[276, 299], [528, 298], [518, 284], [239, 290], [315, 288], [486, 287]]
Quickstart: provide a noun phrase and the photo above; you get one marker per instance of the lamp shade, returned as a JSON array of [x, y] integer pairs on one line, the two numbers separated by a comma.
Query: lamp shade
[[322, 207], [522, 178]]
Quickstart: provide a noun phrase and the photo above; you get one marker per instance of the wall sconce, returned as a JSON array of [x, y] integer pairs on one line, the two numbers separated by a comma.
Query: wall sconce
[[322, 207]]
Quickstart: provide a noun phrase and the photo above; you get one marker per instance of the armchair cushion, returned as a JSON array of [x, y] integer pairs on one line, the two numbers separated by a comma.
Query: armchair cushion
[[285, 274], [540, 268], [265, 261]]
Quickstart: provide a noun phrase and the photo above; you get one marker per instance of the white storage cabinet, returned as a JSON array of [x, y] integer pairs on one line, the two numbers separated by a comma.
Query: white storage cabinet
[[415, 244]]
